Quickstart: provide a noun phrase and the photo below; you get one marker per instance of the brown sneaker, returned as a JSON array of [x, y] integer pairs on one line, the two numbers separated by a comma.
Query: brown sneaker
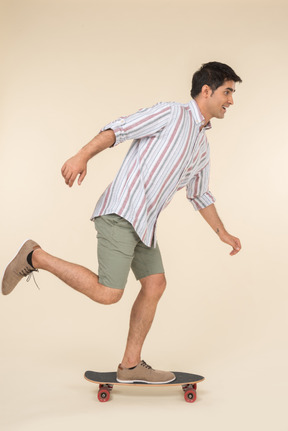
[[18, 267], [143, 373]]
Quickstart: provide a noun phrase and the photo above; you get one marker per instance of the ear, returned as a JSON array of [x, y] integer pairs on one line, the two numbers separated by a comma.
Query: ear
[[206, 91]]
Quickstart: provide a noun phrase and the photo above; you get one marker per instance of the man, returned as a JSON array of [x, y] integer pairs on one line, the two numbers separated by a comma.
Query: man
[[169, 151]]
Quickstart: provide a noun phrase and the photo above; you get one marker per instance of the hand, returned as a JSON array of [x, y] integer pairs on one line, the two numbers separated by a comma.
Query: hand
[[231, 240], [77, 165]]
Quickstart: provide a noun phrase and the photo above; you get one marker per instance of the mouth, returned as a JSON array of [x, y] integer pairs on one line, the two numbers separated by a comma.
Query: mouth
[[224, 108]]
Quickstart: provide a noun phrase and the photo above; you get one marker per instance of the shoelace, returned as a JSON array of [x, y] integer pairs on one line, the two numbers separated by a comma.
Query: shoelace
[[32, 275], [143, 363], [27, 272]]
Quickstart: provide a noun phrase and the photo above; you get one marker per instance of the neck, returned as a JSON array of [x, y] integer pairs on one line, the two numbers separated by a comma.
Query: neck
[[206, 115]]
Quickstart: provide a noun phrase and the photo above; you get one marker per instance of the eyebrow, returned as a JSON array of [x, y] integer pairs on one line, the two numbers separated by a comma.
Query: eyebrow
[[231, 89]]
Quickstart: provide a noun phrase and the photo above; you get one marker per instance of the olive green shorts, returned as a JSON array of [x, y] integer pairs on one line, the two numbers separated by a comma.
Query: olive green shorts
[[119, 249]]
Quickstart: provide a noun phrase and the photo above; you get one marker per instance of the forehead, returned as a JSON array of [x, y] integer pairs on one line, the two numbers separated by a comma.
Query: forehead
[[227, 85]]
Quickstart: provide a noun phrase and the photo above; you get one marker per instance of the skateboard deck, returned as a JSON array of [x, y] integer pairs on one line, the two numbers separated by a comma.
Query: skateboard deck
[[106, 381]]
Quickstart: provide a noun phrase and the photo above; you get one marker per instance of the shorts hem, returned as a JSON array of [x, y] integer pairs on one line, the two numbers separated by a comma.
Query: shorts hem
[[111, 287], [149, 273]]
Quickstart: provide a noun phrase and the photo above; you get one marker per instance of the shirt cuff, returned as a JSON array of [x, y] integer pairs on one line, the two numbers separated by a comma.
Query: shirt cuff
[[117, 127], [201, 202]]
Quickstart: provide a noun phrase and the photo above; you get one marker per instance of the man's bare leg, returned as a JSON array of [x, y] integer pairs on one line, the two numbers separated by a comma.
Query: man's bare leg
[[78, 277], [142, 315]]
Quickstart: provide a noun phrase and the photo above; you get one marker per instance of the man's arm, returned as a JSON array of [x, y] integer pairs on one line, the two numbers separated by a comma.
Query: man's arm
[[210, 215], [77, 165]]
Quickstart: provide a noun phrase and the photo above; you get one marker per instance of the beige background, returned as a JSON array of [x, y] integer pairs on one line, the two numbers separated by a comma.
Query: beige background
[[68, 68]]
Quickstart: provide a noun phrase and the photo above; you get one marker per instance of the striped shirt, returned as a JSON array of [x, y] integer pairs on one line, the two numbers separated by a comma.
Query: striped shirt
[[168, 152]]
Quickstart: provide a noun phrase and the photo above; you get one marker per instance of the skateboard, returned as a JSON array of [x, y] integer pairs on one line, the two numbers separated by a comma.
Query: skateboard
[[106, 381]]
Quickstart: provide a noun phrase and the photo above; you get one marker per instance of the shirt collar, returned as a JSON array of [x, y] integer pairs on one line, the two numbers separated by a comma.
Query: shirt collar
[[197, 116]]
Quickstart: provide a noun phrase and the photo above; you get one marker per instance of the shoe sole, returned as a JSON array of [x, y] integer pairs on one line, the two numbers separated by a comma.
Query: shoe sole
[[9, 264], [144, 381]]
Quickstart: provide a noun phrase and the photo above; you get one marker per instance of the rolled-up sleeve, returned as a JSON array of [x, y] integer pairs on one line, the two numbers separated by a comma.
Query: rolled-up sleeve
[[197, 190], [145, 122]]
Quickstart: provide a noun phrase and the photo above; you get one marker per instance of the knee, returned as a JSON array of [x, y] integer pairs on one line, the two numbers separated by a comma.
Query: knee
[[154, 285], [161, 286], [109, 296], [113, 297]]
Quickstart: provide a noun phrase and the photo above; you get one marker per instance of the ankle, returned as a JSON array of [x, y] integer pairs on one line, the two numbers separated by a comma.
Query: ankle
[[129, 363], [35, 258]]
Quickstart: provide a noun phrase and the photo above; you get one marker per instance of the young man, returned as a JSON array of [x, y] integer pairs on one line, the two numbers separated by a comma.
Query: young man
[[169, 151]]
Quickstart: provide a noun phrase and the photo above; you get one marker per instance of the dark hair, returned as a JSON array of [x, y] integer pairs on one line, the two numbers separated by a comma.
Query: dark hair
[[213, 74]]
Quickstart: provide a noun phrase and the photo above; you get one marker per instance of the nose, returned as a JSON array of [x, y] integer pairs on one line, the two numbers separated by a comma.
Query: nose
[[231, 101]]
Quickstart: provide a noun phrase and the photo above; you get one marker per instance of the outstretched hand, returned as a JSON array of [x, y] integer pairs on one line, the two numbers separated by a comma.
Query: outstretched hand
[[73, 167], [231, 240]]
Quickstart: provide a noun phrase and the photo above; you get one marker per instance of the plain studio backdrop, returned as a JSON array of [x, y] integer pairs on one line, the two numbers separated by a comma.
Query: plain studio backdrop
[[70, 67]]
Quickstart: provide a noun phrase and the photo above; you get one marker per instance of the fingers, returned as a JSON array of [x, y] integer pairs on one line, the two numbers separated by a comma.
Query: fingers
[[68, 175], [233, 241], [70, 179], [236, 246], [81, 177], [234, 251], [64, 170], [70, 171]]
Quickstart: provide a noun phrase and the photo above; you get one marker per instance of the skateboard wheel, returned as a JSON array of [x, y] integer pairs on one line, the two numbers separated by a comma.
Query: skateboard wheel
[[103, 395], [190, 396], [189, 386], [109, 387]]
